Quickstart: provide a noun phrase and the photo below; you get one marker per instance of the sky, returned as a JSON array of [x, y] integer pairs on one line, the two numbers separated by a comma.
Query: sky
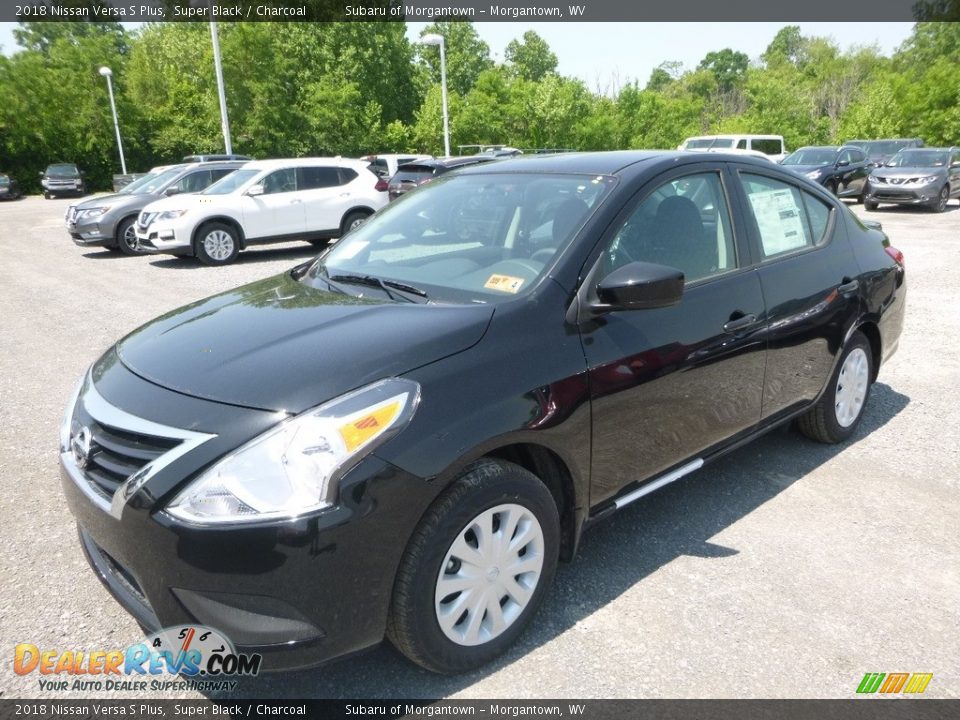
[[606, 56]]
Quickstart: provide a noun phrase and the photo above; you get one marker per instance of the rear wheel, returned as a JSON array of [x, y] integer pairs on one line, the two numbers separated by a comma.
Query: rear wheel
[[217, 244], [127, 242], [476, 569], [940, 204], [837, 414], [353, 220]]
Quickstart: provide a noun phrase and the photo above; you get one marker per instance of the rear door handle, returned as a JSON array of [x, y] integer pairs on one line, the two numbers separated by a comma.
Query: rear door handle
[[296, 202], [739, 323], [849, 286]]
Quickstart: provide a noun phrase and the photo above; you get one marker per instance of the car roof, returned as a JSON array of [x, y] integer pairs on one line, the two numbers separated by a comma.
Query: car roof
[[280, 163], [597, 163], [214, 164]]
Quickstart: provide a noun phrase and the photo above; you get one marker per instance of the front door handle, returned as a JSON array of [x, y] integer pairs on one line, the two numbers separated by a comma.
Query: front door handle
[[739, 323], [296, 202], [848, 287]]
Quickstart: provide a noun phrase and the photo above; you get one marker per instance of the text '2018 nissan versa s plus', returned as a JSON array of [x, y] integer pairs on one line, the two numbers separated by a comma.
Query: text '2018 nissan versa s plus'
[[401, 437]]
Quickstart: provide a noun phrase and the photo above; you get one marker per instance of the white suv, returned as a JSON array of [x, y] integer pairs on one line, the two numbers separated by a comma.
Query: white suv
[[312, 199]]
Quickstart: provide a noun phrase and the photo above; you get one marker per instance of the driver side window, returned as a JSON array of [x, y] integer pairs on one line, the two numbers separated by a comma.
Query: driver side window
[[280, 181], [684, 223]]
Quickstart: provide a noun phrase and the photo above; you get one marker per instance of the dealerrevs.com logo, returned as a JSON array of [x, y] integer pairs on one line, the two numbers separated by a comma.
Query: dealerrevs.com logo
[[894, 683], [203, 658]]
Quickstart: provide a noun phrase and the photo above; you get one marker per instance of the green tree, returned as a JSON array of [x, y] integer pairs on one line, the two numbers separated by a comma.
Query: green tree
[[729, 67], [532, 58], [467, 56]]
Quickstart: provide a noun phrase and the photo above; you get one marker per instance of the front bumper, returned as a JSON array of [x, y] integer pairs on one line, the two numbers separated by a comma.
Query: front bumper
[[93, 232], [903, 194], [164, 237], [299, 592], [63, 189]]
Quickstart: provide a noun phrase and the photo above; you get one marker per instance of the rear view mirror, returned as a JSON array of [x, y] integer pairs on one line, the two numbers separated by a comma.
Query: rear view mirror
[[641, 285], [255, 190]]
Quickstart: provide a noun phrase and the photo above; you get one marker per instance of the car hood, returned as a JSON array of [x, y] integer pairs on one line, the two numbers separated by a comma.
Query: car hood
[[185, 201], [804, 169], [908, 172], [280, 345], [113, 201]]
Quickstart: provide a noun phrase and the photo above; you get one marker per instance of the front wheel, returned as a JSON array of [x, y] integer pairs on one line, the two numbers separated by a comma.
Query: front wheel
[[353, 220], [837, 414], [476, 569], [870, 204], [127, 242], [940, 204], [217, 244], [831, 186]]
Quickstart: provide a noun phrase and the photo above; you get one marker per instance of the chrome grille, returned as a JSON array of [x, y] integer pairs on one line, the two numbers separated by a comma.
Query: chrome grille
[[108, 455]]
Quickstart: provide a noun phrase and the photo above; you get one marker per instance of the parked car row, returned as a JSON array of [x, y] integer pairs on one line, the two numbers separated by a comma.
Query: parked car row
[[912, 176]]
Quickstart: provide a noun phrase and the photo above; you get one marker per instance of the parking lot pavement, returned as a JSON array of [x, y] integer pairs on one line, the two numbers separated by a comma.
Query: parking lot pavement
[[788, 569]]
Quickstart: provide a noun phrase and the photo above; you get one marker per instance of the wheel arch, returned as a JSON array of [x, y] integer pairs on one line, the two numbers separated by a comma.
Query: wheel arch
[[553, 472], [356, 208], [872, 333], [226, 220], [121, 221]]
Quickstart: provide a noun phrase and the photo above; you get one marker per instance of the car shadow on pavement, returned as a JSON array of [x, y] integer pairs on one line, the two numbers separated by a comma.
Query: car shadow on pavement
[[620, 552], [300, 251], [912, 209]]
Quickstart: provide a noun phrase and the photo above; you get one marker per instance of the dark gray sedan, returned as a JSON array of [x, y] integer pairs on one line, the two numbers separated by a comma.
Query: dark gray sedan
[[108, 220], [927, 176]]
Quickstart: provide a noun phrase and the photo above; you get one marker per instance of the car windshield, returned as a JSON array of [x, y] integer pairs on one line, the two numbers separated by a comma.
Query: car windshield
[[230, 182], [66, 171], [131, 188], [157, 183], [464, 238], [4, 180], [919, 158], [811, 156], [704, 143], [883, 147]]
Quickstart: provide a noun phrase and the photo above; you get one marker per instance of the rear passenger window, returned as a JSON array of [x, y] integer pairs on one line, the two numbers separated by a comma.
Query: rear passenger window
[[347, 175], [684, 223], [787, 218], [314, 178]]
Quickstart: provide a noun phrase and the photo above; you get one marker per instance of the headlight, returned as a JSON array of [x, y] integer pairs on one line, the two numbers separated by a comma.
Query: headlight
[[91, 213], [292, 468], [68, 415], [927, 179], [170, 214]]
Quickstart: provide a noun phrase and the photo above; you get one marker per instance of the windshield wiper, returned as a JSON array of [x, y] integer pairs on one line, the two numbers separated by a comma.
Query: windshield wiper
[[384, 285]]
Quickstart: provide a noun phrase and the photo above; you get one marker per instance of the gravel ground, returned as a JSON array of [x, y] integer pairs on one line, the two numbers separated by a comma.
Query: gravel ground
[[788, 569]]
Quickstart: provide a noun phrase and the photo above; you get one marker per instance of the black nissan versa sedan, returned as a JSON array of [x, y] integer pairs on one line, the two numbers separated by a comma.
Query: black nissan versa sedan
[[401, 437]]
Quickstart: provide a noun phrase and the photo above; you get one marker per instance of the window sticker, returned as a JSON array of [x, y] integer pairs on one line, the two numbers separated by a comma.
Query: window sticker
[[780, 220], [504, 283]]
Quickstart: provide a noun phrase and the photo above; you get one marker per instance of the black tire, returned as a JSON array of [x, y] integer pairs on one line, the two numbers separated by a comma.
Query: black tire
[[216, 243], [823, 422], [46, 195], [940, 204], [413, 625], [320, 244], [831, 186], [352, 220], [870, 205], [126, 237]]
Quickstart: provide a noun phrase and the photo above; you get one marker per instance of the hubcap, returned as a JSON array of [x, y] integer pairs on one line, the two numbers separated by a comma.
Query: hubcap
[[489, 574], [218, 244], [356, 223], [943, 198], [852, 387], [130, 238]]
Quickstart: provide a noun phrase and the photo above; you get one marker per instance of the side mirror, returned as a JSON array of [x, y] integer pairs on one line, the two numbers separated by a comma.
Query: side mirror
[[640, 285], [842, 163], [955, 163], [40, 174], [255, 190], [172, 190]]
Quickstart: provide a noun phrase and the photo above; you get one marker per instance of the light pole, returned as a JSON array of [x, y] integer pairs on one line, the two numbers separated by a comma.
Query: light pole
[[224, 120], [435, 39], [108, 74]]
